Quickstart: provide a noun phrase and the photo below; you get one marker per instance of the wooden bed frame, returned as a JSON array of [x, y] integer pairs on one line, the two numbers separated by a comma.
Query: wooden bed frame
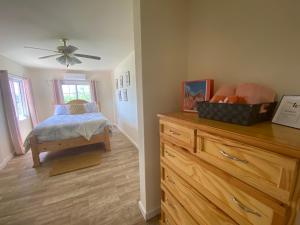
[[51, 146]]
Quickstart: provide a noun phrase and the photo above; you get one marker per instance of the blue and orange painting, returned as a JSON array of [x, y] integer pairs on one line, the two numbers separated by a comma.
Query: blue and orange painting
[[195, 91]]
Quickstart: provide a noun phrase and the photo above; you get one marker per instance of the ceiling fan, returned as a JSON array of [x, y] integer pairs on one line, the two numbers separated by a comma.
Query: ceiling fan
[[66, 53]]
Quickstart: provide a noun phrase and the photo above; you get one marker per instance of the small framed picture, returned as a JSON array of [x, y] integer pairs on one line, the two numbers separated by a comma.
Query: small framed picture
[[124, 95], [288, 111], [194, 92], [120, 95], [127, 78], [117, 84], [121, 82]]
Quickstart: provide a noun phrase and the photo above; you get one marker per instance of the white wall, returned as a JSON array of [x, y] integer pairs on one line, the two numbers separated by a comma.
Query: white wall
[[6, 151], [43, 95], [161, 50], [126, 111], [246, 41]]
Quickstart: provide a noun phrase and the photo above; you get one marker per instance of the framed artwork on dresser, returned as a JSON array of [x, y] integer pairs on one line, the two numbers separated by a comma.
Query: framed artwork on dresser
[[195, 91], [288, 111]]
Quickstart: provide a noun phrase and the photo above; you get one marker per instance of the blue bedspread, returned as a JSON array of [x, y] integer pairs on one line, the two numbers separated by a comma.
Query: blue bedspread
[[62, 127]]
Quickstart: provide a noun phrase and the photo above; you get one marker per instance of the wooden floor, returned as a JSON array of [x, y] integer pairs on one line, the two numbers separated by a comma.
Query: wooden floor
[[102, 195]]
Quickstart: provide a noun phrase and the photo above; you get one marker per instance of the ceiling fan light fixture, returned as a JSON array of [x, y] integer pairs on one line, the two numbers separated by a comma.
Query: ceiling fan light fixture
[[62, 60], [68, 60]]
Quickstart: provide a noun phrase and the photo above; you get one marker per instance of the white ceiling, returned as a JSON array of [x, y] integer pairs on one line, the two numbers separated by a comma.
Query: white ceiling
[[96, 27]]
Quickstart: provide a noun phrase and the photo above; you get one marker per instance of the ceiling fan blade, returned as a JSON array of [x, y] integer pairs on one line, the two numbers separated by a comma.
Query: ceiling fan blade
[[48, 56], [88, 56], [74, 60], [44, 49]]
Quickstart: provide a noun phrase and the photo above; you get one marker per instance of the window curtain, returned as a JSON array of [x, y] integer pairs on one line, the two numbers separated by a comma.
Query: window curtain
[[57, 92], [11, 116], [30, 102], [94, 94]]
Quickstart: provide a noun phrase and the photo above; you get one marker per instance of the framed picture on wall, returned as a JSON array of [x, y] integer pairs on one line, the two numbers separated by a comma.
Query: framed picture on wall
[[124, 95], [121, 81], [288, 112], [195, 91], [120, 95], [117, 84], [127, 78]]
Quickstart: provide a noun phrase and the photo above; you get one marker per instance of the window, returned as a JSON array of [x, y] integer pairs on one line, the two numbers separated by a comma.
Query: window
[[19, 98], [76, 90]]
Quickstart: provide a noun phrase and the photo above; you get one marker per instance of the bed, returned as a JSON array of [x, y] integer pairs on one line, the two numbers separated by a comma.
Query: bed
[[69, 131]]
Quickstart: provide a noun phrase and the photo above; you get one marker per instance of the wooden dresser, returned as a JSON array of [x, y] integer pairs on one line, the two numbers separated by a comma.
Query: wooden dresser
[[214, 173]]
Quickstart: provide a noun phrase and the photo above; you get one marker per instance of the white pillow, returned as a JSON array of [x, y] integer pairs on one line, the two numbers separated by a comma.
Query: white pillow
[[62, 110], [91, 107]]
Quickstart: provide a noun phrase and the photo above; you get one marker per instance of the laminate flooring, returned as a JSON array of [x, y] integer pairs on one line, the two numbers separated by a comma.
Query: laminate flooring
[[106, 194]]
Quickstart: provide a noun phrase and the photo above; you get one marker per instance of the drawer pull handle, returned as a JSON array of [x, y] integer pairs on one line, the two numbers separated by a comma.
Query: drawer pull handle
[[245, 208], [167, 221], [171, 181], [174, 133], [225, 154], [171, 205], [171, 155]]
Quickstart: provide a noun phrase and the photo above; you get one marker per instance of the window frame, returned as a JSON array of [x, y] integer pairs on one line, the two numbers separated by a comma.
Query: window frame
[[25, 109], [76, 83]]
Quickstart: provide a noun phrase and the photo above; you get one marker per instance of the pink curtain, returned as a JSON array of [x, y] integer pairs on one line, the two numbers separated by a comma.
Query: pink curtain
[[57, 92], [11, 116], [94, 94], [30, 101]]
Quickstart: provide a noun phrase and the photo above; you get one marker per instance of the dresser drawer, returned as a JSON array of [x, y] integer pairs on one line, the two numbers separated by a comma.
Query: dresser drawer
[[178, 134], [199, 207], [172, 207], [244, 204], [269, 172], [166, 219]]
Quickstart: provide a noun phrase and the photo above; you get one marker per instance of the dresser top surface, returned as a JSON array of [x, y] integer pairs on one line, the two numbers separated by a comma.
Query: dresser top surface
[[282, 139]]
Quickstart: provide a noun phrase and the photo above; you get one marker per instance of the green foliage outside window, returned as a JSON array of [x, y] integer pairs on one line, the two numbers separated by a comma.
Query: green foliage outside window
[[76, 91]]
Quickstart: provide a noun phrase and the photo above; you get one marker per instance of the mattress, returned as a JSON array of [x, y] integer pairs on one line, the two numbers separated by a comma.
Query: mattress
[[60, 127]]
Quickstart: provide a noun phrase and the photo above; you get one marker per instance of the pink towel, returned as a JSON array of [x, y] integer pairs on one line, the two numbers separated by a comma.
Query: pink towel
[[255, 93]]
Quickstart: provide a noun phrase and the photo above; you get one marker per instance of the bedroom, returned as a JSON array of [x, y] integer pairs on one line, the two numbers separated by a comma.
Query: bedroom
[[46, 92], [168, 42]]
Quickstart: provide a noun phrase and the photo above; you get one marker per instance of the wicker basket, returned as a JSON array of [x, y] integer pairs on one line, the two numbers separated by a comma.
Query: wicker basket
[[241, 114]]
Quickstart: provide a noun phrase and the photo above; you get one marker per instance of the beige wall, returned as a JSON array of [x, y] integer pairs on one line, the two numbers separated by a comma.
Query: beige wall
[[160, 44], [25, 125], [246, 41], [230, 41], [43, 95], [126, 111]]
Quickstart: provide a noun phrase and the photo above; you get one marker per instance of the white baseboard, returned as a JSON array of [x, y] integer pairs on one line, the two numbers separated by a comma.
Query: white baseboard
[[130, 139], [150, 214], [5, 161]]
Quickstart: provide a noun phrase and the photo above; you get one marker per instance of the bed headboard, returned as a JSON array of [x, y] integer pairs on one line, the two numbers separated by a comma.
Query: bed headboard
[[77, 102]]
